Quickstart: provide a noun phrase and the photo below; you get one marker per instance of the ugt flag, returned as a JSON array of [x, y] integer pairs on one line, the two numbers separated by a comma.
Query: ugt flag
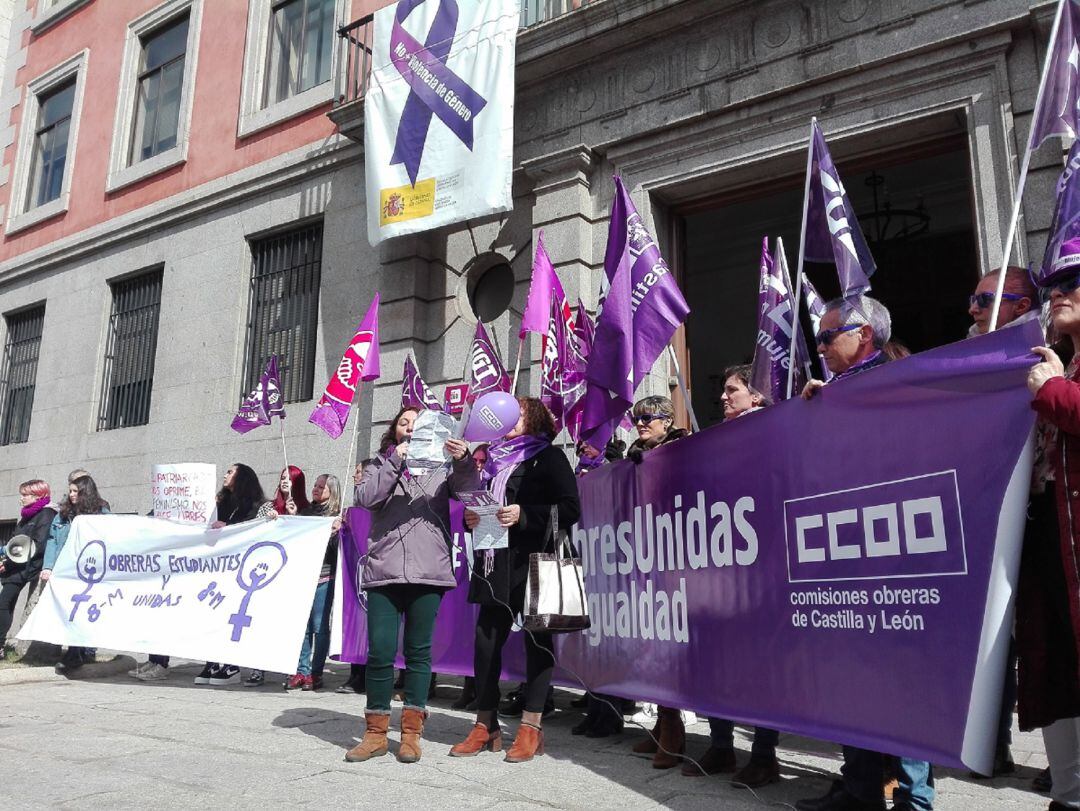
[[1056, 110], [264, 403], [642, 309], [360, 362], [486, 371], [439, 114], [414, 391], [777, 327], [832, 232]]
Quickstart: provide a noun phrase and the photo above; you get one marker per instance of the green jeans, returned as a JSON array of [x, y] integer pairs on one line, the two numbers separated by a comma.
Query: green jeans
[[385, 608]]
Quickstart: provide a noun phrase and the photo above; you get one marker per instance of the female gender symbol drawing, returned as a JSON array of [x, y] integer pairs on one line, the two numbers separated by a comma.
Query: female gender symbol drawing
[[89, 571], [259, 566]]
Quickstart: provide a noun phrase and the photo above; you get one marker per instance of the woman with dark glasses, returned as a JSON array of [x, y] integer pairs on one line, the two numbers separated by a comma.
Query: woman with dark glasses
[[1047, 608], [654, 421]]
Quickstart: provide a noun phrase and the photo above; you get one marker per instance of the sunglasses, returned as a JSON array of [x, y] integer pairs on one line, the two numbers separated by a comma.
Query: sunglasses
[[645, 419], [1066, 285], [985, 300], [827, 336]]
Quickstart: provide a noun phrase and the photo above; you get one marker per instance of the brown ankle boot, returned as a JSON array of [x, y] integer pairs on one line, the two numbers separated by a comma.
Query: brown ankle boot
[[412, 727], [374, 741], [672, 739], [648, 746], [479, 739], [528, 743]]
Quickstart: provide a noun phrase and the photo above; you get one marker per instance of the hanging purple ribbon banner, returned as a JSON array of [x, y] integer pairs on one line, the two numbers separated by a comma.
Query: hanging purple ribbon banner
[[436, 89]]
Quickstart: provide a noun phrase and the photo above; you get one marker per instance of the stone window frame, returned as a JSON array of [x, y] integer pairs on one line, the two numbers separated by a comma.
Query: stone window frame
[[19, 216], [50, 12], [121, 173], [253, 116]]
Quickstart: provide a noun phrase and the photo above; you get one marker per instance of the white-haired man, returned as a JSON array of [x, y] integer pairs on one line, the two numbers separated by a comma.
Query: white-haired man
[[851, 340]]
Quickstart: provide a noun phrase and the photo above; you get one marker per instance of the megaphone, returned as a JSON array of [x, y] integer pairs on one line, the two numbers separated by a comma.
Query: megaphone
[[19, 549], [492, 416]]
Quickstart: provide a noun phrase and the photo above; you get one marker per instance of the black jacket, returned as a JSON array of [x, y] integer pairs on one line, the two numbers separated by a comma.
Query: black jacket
[[538, 483], [330, 557], [37, 527]]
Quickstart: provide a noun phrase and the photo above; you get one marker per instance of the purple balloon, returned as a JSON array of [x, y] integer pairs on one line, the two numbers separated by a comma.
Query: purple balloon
[[492, 416]]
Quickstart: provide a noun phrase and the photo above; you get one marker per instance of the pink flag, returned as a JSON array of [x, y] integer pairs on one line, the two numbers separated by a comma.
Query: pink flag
[[360, 362], [486, 371], [414, 391], [544, 283], [584, 329]]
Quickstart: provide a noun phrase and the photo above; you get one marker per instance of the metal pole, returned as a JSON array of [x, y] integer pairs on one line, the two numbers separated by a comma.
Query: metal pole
[[683, 389], [284, 452], [1006, 249], [802, 254], [517, 366]]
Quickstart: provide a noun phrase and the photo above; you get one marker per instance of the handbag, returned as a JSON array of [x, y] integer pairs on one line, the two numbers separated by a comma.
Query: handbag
[[555, 589]]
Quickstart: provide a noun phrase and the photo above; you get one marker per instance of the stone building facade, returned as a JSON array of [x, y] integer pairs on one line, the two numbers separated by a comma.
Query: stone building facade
[[702, 106]]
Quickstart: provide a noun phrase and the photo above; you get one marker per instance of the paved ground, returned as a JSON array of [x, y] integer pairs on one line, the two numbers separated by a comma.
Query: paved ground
[[118, 743]]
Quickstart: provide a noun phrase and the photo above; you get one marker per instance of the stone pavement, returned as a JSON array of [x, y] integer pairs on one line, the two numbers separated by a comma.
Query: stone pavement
[[120, 743]]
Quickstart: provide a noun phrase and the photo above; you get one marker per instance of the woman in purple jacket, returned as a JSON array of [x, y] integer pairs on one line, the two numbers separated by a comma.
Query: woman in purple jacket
[[407, 571]]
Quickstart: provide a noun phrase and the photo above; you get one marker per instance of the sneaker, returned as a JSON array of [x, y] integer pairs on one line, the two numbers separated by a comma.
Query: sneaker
[[254, 679], [314, 683], [688, 717], [296, 682], [206, 673], [351, 687], [226, 674], [645, 716], [514, 704], [153, 673], [139, 668]]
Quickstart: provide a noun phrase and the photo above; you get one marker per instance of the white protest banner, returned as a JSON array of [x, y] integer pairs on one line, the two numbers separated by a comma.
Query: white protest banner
[[240, 594], [439, 114], [427, 445], [185, 493]]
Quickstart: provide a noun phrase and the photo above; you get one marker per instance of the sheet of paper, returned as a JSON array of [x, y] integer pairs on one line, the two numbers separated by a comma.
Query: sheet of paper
[[427, 447], [488, 534]]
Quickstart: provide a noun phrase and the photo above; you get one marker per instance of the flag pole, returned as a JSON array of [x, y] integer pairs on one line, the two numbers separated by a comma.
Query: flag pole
[[517, 366], [1007, 246], [683, 389], [802, 253], [284, 452], [796, 321], [350, 460]]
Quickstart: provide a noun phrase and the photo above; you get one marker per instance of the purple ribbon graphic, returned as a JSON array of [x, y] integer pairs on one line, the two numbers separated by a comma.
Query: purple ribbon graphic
[[435, 88]]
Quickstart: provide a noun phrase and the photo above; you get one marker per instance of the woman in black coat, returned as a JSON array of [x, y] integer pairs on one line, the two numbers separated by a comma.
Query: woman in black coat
[[529, 477], [34, 521]]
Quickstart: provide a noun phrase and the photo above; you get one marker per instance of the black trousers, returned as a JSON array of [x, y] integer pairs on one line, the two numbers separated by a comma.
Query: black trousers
[[492, 630], [9, 595]]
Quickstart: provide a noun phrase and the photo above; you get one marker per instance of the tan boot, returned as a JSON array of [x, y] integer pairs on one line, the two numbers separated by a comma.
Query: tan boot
[[374, 741], [528, 743], [672, 739], [412, 727]]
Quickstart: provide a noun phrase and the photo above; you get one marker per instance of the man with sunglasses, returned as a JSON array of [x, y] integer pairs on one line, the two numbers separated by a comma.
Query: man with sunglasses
[[851, 339], [1018, 299]]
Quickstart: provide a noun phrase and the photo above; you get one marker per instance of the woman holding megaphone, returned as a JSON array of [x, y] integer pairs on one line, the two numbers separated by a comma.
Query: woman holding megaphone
[[529, 477], [408, 570], [34, 521]]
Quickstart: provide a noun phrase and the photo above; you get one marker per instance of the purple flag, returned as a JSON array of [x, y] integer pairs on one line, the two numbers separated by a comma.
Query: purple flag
[[414, 391], [1057, 110], [777, 323], [832, 232], [1066, 222], [641, 312], [486, 371], [360, 362], [264, 403], [544, 284], [584, 329], [562, 379], [816, 307]]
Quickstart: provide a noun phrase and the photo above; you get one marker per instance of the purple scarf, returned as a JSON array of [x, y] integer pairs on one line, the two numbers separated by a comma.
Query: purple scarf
[[503, 459], [30, 510], [869, 362]]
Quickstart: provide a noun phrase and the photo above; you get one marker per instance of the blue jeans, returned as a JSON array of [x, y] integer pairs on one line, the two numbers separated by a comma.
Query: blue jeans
[[722, 736], [318, 629], [863, 773]]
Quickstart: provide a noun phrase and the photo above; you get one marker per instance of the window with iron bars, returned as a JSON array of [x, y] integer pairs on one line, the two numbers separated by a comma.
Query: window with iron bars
[[128, 380], [283, 313], [20, 373]]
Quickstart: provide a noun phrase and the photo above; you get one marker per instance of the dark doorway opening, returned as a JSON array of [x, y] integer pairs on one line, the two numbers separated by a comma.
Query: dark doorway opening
[[914, 203]]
